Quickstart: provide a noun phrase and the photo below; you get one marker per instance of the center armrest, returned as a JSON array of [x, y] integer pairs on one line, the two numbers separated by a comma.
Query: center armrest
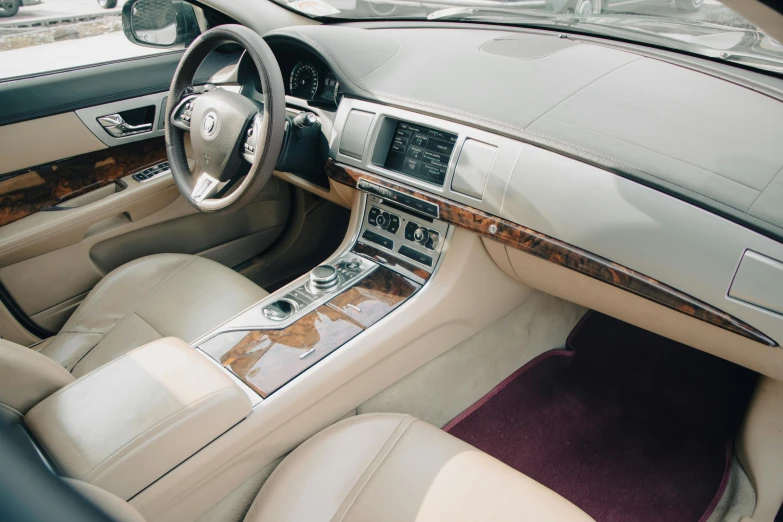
[[126, 424]]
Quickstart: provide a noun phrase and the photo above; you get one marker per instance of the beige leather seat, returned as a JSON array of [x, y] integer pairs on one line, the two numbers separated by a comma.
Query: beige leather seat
[[395, 468], [157, 296]]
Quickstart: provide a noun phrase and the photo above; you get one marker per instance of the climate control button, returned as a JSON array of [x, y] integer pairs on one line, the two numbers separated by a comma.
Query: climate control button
[[421, 235], [394, 223], [434, 240], [410, 230]]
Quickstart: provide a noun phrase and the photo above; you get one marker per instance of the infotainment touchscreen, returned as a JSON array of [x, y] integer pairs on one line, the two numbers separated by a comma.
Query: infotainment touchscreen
[[420, 152]]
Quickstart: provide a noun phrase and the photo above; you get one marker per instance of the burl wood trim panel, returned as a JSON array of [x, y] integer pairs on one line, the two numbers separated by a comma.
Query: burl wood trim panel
[[389, 260], [27, 191], [372, 298], [266, 360], [561, 253]]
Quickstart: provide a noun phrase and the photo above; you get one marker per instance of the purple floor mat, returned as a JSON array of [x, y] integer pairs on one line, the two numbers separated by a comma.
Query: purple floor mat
[[627, 425]]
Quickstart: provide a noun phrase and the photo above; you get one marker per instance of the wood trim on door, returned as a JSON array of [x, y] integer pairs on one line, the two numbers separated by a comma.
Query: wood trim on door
[[28, 191]]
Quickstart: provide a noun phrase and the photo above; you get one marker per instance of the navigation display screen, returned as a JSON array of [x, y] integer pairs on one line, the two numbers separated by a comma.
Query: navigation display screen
[[420, 152]]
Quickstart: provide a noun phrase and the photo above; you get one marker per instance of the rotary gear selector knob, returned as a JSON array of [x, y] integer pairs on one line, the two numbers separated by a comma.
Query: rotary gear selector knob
[[323, 277]]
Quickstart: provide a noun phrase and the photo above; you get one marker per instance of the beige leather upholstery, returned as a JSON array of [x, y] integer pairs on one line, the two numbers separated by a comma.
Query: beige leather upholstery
[[391, 467], [128, 423], [157, 296], [112, 505], [27, 377]]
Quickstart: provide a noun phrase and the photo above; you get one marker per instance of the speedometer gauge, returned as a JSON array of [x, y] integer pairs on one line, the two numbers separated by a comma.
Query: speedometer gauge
[[304, 81]]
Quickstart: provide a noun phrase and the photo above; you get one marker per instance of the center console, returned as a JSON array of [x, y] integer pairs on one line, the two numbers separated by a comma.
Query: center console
[[393, 253]]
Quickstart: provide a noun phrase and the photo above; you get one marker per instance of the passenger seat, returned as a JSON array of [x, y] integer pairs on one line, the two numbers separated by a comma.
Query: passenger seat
[[393, 467]]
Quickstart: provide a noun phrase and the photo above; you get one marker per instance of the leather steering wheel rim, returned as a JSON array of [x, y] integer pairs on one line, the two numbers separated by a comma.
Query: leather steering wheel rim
[[268, 138]]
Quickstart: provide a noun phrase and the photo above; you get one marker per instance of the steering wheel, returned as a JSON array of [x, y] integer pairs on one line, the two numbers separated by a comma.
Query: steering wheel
[[227, 131]]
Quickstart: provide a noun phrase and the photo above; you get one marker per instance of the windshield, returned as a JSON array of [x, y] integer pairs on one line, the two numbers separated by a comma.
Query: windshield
[[705, 27]]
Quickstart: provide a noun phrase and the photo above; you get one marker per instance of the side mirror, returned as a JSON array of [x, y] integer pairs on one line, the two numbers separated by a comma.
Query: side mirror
[[159, 23]]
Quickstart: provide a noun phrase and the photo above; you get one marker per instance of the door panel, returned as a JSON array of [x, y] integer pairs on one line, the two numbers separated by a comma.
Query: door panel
[[40, 141], [45, 286], [29, 191], [67, 222], [49, 265], [153, 103]]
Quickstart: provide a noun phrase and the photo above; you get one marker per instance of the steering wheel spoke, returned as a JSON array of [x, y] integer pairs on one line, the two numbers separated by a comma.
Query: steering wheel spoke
[[206, 186], [250, 144], [182, 114]]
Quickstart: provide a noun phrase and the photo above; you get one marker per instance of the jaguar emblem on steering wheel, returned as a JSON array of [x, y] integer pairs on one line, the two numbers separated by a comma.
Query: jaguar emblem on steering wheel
[[209, 123]]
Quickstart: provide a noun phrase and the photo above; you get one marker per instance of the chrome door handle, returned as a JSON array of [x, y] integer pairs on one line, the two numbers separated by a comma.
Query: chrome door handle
[[119, 128]]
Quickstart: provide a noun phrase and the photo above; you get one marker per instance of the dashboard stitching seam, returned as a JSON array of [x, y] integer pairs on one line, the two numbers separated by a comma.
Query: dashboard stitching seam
[[779, 173], [671, 157], [381, 65], [521, 133], [514, 130], [518, 131], [583, 87], [333, 60]]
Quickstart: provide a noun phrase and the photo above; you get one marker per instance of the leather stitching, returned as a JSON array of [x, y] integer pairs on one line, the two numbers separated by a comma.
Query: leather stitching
[[511, 131], [651, 150], [583, 87], [312, 440], [374, 466], [447, 112], [83, 378], [96, 468], [779, 173]]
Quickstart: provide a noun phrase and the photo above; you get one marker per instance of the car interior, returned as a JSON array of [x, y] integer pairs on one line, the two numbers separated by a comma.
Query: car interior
[[300, 266]]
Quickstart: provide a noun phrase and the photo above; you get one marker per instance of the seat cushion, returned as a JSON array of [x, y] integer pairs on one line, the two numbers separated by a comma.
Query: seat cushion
[[27, 377], [391, 467], [165, 295]]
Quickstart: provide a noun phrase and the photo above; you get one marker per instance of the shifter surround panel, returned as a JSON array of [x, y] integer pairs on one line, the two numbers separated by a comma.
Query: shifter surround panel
[[266, 359], [279, 338], [350, 267]]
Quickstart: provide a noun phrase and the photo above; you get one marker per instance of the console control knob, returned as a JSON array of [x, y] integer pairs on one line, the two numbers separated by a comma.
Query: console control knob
[[421, 235], [323, 277], [381, 220], [434, 239]]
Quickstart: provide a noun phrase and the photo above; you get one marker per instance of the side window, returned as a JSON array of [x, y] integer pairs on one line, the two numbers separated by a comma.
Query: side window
[[41, 36]]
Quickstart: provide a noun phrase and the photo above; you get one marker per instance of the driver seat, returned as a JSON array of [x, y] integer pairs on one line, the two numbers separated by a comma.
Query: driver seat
[[164, 295]]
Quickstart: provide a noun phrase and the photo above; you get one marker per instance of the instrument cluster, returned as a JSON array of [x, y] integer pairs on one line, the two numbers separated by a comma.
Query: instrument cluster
[[311, 83], [307, 77]]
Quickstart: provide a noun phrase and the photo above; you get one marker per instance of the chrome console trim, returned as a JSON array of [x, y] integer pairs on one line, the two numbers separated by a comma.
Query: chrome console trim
[[254, 318]]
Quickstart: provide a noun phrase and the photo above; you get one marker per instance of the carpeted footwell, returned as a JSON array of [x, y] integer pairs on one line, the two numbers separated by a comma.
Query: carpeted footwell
[[627, 425]]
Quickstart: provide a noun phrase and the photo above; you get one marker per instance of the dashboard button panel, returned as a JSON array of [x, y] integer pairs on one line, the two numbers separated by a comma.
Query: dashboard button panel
[[394, 230], [152, 172], [378, 239], [384, 220], [417, 256], [419, 205]]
